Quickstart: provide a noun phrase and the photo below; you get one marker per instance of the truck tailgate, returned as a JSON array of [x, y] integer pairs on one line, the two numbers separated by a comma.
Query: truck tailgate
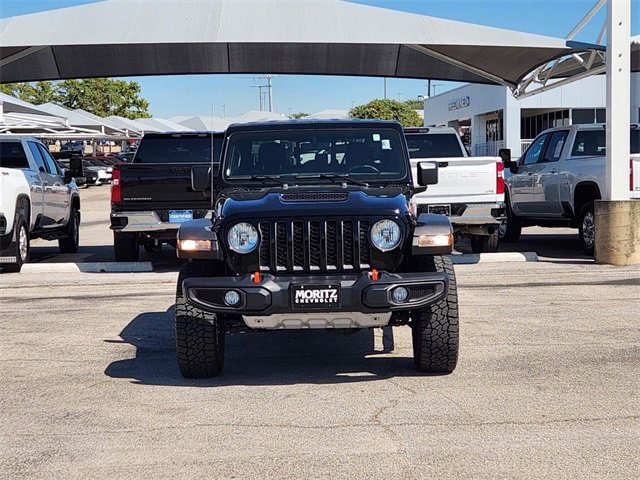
[[158, 186], [461, 180]]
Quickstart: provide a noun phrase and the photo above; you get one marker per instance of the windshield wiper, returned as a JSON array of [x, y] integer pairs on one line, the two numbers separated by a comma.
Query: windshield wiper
[[262, 178], [332, 176]]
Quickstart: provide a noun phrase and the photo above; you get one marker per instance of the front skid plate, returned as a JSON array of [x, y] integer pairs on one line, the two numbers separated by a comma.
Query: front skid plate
[[296, 321]]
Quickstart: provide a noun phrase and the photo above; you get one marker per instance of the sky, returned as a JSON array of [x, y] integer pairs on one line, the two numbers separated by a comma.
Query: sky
[[232, 95]]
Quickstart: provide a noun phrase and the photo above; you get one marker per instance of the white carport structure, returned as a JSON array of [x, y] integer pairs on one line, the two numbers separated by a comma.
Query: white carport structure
[[85, 125], [133, 127], [162, 125], [18, 117], [328, 37], [329, 114], [202, 123]]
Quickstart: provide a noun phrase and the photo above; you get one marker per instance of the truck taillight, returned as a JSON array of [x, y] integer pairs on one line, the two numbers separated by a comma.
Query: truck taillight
[[499, 178], [116, 192]]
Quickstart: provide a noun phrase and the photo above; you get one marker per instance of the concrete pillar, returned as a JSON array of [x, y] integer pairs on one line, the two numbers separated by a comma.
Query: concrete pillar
[[617, 231], [617, 219]]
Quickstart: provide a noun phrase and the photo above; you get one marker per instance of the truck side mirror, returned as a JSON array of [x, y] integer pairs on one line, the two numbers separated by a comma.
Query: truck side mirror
[[505, 156], [427, 173], [201, 177]]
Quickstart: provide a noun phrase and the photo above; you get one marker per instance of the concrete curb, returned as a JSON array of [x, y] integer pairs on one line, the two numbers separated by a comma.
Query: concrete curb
[[96, 267], [497, 257]]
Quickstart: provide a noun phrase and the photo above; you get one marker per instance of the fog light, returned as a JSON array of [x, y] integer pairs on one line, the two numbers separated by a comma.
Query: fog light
[[232, 298], [400, 294]]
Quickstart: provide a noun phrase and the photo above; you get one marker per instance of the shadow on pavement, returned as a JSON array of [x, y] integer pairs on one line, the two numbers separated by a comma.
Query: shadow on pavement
[[261, 358], [550, 247]]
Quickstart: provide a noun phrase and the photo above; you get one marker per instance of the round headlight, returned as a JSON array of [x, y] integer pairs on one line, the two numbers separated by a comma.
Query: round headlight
[[385, 235], [243, 237]]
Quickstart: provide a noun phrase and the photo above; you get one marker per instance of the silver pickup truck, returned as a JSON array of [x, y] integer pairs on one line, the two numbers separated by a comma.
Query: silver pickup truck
[[37, 200], [558, 178]]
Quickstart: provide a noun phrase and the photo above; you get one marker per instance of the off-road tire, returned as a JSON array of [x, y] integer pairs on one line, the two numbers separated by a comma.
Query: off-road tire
[[22, 246], [586, 228], [200, 335], [435, 329], [71, 243], [485, 243], [511, 228], [126, 246]]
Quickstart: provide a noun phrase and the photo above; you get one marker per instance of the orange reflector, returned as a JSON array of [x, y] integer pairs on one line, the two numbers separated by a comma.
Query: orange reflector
[[256, 277], [375, 275]]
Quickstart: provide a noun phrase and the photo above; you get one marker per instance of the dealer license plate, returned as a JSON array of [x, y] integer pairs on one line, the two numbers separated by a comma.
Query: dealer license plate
[[315, 297], [179, 216]]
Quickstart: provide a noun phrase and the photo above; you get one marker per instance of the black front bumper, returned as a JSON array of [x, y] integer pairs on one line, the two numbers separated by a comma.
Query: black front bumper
[[274, 295]]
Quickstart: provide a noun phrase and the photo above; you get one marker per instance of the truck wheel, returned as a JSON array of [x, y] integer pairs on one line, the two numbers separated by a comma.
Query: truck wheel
[[72, 241], [435, 328], [511, 227], [586, 228], [200, 336], [126, 247], [22, 246], [485, 243]]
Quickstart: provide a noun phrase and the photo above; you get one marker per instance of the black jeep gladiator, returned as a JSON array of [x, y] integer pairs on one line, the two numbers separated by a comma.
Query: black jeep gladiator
[[311, 227]]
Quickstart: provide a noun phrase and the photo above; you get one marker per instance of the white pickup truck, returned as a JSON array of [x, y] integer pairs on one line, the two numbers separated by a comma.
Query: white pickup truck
[[557, 179], [470, 190], [37, 200]]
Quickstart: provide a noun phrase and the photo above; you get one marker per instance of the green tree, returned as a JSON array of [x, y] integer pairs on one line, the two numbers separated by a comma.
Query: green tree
[[36, 93], [100, 96], [415, 104], [104, 97], [388, 110], [298, 115]]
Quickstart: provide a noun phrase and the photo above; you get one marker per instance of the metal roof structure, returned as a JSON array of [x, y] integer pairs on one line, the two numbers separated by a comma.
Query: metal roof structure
[[326, 37]]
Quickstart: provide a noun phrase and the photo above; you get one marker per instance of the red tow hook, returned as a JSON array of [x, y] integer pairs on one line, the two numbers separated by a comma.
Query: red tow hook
[[256, 277], [375, 275]]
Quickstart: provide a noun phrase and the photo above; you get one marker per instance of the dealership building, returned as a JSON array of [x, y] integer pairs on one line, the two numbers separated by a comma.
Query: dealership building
[[489, 117]]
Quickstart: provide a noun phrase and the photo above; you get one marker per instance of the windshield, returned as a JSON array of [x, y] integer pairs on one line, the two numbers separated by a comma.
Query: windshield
[[177, 149], [434, 145], [369, 154]]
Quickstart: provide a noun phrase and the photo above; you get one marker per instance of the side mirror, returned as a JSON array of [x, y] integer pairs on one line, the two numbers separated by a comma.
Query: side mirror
[[427, 173], [505, 156], [201, 176]]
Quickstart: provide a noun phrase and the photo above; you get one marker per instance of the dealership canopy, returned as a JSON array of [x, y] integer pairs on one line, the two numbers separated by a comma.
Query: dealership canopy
[[324, 37]]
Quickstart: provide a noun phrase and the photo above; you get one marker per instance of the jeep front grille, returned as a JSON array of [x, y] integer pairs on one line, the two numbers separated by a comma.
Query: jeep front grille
[[314, 245]]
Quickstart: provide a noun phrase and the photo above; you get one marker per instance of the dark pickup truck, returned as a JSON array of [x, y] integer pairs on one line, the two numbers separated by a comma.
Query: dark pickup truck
[[152, 195]]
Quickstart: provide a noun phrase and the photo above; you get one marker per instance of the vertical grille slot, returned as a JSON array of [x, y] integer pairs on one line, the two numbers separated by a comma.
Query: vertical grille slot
[[331, 238], [315, 246], [298, 246], [365, 247], [347, 245], [265, 246], [281, 246]]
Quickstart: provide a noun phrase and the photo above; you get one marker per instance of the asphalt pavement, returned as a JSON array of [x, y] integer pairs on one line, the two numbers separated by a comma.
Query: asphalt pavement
[[547, 385]]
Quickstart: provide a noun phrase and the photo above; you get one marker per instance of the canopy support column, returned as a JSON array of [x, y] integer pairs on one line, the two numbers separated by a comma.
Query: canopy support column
[[617, 218]]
